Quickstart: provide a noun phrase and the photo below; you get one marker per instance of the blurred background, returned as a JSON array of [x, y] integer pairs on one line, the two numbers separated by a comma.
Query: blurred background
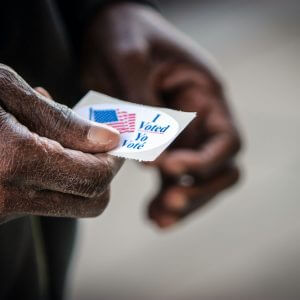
[[246, 243]]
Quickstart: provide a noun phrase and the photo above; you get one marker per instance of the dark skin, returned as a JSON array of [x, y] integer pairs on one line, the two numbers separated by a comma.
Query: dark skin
[[45, 151], [50, 161], [130, 51]]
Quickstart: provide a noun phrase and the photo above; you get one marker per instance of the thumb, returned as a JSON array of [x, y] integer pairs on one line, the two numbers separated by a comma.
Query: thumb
[[50, 119]]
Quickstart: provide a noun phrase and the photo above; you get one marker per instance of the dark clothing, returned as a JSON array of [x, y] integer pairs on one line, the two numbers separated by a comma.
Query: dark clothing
[[39, 39], [34, 257]]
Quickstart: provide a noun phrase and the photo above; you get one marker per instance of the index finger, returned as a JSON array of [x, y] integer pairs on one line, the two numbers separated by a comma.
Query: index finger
[[50, 119], [212, 155], [72, 172], [44, 164], [213, 141]]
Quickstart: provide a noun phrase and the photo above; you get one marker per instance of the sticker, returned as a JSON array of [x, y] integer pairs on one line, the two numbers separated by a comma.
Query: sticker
[[145, 131]]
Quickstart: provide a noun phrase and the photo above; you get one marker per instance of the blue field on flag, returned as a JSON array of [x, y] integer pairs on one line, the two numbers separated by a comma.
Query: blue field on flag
[[120, 120]]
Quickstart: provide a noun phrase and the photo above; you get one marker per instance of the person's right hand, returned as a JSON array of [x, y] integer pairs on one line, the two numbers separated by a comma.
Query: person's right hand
[[51, 161]]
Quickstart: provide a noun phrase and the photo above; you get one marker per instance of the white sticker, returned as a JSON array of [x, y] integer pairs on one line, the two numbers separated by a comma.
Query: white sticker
[[145, 131]]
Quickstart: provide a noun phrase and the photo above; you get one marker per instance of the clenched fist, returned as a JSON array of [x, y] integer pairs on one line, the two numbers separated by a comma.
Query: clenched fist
[[52, 162]]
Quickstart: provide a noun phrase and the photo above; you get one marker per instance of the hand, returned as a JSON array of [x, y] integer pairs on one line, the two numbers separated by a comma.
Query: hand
[[132, 52], [197, 167], [46, 161]]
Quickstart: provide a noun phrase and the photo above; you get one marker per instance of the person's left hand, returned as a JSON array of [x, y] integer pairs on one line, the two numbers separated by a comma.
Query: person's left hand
[[130, 51]]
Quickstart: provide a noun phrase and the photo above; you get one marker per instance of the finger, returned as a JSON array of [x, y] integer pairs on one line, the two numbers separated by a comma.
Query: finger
[[50, 119], [164, 220], [178, 202], [212, 155], [182, 80], [56, 204], [69, 171], [198, 193], [33, 161], [43, 92], [222, 141]]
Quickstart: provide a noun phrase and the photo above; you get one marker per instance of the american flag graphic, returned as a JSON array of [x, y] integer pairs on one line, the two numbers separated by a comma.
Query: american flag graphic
[[120, 120]]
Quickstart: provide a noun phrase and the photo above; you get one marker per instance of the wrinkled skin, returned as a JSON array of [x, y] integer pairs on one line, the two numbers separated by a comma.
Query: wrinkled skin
[[48, 155], [130, 51]]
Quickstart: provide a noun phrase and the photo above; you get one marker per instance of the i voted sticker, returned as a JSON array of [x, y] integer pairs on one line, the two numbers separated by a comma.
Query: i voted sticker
[[145, 131]]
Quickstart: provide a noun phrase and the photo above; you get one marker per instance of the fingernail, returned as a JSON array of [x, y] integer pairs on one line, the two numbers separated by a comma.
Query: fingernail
[[105, 136], [176, 201], [166, 221], [43, 92]]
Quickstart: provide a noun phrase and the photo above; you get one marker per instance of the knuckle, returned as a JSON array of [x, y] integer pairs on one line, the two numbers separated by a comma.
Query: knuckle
[[18, 158], [93, 184], [61, 118], [92, 207], [100, 180], [99, 204], [13, 88], [132, 52], [6, 73], [9, 79]]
